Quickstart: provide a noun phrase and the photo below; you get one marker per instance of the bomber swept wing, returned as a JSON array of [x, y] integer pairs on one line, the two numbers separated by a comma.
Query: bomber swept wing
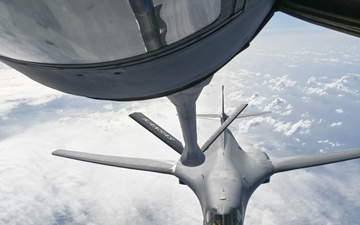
[[118, 161], [299, 162]]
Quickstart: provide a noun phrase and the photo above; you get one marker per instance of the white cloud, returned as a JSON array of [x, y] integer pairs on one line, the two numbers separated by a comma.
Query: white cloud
[[339, 111], [336, 124], [323, 86], [275, 104], [332, 144], [280, 83], [301, 127], [15, 91], [317, 90]]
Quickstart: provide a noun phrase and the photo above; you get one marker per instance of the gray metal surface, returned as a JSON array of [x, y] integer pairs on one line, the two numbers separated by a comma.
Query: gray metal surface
[[159, 132], [74, 32], [117, 161], [185, 104], [97, 50], [299, 162], [105, 73], [340, 15]]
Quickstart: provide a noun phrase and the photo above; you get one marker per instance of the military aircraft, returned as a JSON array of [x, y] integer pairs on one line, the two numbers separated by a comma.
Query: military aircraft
[[141, 49], [226, 177]]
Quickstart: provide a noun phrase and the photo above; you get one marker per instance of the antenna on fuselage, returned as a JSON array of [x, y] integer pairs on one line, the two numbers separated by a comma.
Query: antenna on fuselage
[[223, 115], [222, 100]]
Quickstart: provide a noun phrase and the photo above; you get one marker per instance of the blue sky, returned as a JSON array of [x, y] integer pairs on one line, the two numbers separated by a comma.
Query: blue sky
[[307, 76]]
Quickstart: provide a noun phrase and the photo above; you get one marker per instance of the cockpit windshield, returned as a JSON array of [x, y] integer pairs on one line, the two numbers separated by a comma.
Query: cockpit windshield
[[66, 32], [233, 218]]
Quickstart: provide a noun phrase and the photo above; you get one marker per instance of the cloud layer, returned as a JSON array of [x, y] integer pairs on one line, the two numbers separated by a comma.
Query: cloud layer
[[310, 83]]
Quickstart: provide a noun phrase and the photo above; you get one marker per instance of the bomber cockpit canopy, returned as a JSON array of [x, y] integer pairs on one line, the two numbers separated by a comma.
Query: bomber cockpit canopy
[[233, 218]]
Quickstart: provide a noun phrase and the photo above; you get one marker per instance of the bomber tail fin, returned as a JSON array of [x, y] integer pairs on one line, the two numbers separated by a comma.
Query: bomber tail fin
[[209, 116], [223, 126], [223, 116], [243, 115], [225, 119]]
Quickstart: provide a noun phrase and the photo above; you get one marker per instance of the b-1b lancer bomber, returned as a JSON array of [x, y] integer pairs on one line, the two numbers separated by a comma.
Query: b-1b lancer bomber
[[225, 177]]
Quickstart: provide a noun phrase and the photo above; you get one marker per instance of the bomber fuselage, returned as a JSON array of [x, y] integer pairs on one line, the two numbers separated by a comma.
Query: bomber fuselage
[[226, 180]]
